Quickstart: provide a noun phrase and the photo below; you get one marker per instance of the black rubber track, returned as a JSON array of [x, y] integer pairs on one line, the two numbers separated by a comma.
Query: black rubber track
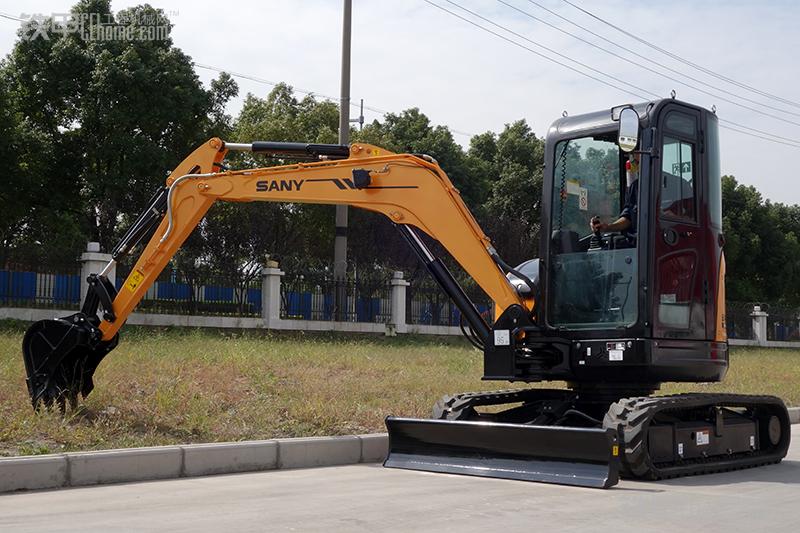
[[462, 406], [632, 416]]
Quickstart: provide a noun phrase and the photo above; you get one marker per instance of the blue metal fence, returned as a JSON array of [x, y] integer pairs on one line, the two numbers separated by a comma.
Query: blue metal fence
[[313, 297], [738, 320], [176, 293], [30, 287], [426, 304], [310, 297], [783, 322]]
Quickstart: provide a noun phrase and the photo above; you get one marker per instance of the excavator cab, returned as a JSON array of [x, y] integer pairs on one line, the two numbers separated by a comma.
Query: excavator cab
[[617, 313], [655, 291]]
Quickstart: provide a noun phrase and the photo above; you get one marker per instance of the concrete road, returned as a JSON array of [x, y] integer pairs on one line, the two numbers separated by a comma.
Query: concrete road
[[371, 498]]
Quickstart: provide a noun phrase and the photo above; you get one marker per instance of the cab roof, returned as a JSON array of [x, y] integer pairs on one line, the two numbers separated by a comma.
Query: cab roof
[[602, 120]]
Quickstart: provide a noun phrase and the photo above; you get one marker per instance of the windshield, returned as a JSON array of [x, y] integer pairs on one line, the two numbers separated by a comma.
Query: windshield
[[593, 277], [587, 183]]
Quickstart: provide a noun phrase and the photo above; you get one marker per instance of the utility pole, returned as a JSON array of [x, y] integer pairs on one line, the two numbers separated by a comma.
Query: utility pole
[[340, 243]]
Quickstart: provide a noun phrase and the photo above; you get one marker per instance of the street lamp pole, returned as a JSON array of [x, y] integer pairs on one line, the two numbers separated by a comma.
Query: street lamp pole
[[340, 242]]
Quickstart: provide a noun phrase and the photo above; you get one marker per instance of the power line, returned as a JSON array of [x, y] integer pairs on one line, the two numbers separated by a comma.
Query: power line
[[559, 54], [725, 121], [515, 43], [313, 94], [776, 117], [604, 82], [607, 75], [256, 79], [790, 142], [384, 112], [12, 17], [759, 136], [310, 93], [643, 66], [685, 61]]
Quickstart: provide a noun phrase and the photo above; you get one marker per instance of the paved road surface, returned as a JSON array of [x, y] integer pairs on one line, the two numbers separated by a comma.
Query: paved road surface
[[371, 498]]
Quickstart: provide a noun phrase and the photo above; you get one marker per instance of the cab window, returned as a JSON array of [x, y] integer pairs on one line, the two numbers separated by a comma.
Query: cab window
[[678, 178]]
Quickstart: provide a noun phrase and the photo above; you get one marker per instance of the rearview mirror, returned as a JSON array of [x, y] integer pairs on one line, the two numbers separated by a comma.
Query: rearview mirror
[[628, 129]]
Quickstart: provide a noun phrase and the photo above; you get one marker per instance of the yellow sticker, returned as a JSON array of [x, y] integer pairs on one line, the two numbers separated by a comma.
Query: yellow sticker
[[134, 280], [615, 450]]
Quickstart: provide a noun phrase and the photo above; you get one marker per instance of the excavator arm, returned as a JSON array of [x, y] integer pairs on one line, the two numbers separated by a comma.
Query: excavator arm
[[411, 190], [61, 355]]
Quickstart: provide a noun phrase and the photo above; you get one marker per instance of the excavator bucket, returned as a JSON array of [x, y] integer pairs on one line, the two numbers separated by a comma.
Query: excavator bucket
[[61, 356], [583, 457]]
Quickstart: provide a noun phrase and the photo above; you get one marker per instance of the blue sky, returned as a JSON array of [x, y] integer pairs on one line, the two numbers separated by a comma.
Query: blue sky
[[407, 53]]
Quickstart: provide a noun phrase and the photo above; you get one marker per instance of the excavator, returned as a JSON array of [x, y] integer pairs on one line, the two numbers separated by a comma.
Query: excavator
[[613, 314]]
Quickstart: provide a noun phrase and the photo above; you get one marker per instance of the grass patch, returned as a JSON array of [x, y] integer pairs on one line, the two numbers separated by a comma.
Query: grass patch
[[185, 386]]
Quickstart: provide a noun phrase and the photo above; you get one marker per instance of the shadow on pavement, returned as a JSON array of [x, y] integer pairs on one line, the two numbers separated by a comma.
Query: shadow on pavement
[[642, 486], [786, 472]]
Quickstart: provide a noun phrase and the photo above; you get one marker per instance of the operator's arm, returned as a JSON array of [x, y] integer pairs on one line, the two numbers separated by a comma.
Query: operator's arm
[[626, 216], [621, 224]]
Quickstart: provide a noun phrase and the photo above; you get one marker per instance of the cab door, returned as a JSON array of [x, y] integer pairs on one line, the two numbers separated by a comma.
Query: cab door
[[679, 266]]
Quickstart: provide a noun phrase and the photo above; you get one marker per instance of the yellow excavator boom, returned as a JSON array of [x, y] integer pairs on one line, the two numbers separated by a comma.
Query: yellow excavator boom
[[408, 189]]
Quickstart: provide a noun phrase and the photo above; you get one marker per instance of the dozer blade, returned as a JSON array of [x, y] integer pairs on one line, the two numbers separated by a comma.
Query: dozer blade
[[581, 457], [61, 356]]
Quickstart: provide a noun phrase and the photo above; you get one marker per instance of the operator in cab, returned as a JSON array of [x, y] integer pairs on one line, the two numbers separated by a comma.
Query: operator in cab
[[626, 223]]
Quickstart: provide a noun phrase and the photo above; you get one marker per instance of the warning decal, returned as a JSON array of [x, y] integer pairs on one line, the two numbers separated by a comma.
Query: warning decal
[[134, 280]]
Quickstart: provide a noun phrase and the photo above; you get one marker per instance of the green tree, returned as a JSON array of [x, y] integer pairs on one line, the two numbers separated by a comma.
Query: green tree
[[115, 114], [761, 249], [742, 215], [39, 213], [513, 210], [787, 219]]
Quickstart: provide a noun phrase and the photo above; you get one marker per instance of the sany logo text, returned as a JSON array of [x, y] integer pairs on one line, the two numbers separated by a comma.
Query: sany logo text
[[279, 185]]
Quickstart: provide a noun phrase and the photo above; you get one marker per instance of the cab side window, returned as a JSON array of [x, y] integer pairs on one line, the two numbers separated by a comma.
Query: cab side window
[[678, 167]]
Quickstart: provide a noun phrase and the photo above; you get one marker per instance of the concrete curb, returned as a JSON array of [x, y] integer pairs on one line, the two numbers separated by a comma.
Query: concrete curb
[[166, 462], [114, 466], [229, 457]]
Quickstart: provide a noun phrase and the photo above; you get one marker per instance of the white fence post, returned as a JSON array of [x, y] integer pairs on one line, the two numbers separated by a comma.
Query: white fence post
[[759, 325], [271, 294], [93, 262], [398, 302]]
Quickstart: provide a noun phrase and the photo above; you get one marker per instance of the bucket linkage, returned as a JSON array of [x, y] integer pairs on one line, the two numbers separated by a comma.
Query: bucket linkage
[[62, 354]]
